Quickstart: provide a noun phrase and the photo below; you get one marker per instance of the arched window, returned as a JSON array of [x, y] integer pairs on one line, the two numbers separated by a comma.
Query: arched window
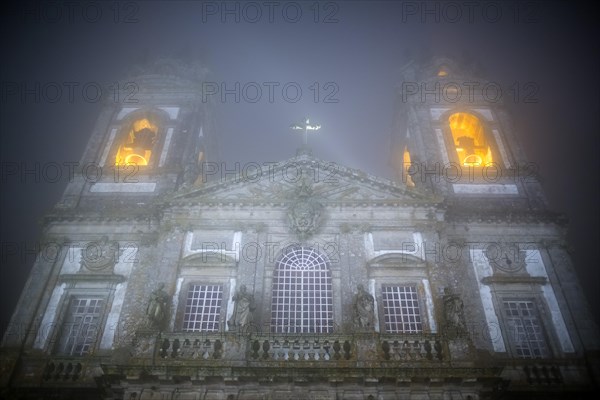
[[138, 142], [468, 134], [302, 300]]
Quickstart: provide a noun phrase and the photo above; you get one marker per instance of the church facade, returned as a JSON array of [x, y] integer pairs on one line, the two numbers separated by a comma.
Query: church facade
[[172, 278]]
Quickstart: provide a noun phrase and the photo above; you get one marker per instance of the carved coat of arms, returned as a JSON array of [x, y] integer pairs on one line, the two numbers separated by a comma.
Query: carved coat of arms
[[304, 213], [100, 256]]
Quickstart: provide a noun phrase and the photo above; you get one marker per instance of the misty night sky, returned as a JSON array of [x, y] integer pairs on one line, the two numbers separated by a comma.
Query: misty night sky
[[551, 44]]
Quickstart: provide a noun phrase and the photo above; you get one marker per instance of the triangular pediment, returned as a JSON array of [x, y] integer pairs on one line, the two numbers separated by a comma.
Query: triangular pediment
[[330, 182]]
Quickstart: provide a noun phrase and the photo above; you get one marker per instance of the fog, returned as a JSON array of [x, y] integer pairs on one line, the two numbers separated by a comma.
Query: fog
[[344, 56]]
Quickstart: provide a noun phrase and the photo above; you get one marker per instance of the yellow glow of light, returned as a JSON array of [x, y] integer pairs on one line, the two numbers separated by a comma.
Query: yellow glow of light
[[135, 159], [406, 163], [140, 124], [442, 72], [138, 143], [469, 138]]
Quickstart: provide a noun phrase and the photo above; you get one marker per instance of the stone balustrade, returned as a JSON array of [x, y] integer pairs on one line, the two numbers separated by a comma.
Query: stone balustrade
[[300, 348], [412, 347], [191, 346], [543, 374], [63, 370]]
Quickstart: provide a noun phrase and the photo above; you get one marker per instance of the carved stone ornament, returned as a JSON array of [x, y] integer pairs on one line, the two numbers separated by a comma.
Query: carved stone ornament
[[242, 309], [506, 257], [304, 213], [158, 307], [100, 256], [364, 309], [454, 313]]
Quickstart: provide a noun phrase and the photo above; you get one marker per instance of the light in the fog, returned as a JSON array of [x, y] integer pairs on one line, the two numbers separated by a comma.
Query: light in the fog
[[137, 144], [406, 163], [470, 141]]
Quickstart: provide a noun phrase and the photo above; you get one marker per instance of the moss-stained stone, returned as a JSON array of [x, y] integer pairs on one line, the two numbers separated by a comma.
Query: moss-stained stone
[[203, 238]]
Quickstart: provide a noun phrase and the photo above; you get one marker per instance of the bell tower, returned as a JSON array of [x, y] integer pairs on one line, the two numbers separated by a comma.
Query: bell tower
[[152, 137], [452, 136]]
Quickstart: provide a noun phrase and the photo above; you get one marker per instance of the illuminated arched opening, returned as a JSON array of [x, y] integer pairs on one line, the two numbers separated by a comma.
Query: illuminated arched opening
[[468, 134], [406, 166], [138, 143]]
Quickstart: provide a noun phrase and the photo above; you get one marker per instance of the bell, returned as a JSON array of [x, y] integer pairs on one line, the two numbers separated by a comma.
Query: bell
[[473, 159], [136, 157]]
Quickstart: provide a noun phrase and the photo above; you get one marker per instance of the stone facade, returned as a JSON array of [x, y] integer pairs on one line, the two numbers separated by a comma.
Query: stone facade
[[304, 279]]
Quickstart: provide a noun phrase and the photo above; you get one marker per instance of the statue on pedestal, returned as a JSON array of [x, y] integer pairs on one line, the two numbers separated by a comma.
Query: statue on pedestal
[[364, 309], [243, 307], [454, 312], [158, 306]]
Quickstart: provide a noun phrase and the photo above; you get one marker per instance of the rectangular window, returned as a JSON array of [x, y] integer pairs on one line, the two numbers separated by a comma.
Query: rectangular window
[[203, 308], [81, 327], [525, 331], [401, 309]]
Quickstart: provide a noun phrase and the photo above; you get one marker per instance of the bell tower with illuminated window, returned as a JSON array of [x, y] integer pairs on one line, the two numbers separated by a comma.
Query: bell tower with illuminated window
[[453, 137], [138, 142], [453, 140], [153, 136]]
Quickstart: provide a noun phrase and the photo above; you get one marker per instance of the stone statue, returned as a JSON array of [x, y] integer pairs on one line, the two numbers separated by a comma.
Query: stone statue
[[158, 306], [364, 309], [243, 307], [454, 312]]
